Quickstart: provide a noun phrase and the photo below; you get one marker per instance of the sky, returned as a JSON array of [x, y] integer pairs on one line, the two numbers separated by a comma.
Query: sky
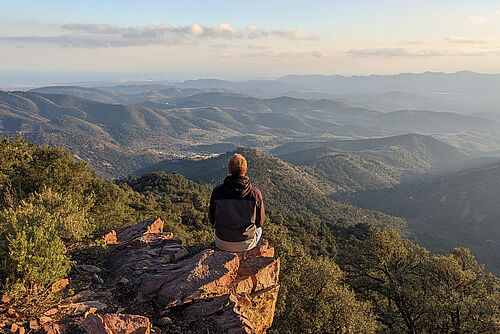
[[49, 41]]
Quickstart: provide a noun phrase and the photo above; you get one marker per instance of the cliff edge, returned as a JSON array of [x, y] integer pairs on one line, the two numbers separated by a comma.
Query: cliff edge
[[148, 282]]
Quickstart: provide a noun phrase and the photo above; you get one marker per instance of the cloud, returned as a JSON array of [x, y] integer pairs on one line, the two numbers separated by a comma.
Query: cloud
[[279, 54], [296, 34], [104, 35], [223, 30], [468, 40], [90, 41], [92, 28], [293, 34], [388, 52], [405, 52]]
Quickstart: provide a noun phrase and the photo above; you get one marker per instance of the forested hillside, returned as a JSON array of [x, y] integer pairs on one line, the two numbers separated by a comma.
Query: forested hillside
[[120, 133], [377, 163], [287, 188], [335, 274], [458, 208]]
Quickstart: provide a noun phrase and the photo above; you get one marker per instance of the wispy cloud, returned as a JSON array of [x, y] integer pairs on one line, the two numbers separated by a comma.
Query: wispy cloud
[[295, 34], [275, 54], [104, 35], [406, 52]]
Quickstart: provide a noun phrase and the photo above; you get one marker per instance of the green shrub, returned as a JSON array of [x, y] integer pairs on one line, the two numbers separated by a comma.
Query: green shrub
[[33, 252], [71, 218]]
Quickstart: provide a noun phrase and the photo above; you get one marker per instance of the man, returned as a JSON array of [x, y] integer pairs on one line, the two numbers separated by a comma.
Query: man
[[236, 209]]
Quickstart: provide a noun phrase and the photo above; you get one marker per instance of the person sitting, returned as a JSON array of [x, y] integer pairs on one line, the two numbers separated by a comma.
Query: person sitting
[[236, 209]]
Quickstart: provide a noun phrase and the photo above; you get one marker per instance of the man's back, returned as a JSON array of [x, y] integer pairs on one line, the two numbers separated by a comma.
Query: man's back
[[237, 212]]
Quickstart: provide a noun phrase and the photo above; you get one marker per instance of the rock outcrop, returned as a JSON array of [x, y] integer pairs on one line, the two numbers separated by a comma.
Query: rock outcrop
[[145, 281], [152, 284], [215, 290]]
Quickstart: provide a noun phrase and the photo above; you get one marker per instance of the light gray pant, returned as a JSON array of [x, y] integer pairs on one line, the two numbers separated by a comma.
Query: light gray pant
[[239, 246]]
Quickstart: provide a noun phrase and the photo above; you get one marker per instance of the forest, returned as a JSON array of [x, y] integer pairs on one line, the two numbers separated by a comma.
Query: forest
[[342, 271]]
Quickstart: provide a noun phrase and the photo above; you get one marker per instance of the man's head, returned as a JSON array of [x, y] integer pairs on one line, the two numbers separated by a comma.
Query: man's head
[[237, 165]]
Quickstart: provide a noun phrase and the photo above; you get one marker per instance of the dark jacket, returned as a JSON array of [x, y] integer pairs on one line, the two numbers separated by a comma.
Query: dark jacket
[[236, 209]]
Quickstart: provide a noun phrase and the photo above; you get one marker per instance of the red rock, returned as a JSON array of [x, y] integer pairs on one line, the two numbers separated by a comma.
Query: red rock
[[116, 324], [151, 250], [54, 329], [59, 285], [86, 306], [261, 250], [237, 313], [257, 273], [248, 306], [14, 328], [205, 308], [5, 299], [2, 324], [158, 237], [208, 273], [12, 313], [51, 312], [148, 226], [33, 324], [234, 291], [21, 330], [110, 238], [43, 320]]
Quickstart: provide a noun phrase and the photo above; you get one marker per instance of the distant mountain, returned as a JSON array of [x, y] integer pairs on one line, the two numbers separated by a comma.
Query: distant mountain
[[134, 88], [375, 163], [464, 92], [430, 122], [83, 92], [155, 129], [114, 139], [134, 94], [285, 187], [456, 209], [465, 83]]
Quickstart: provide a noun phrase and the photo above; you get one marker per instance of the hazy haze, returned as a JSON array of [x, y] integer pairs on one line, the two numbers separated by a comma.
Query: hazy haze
[[152, 39]]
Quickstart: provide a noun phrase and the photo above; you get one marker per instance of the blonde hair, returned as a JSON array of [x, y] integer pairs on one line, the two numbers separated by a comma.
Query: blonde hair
[[237, 165]]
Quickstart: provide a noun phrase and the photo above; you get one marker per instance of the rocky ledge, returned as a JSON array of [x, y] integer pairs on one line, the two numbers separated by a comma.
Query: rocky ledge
[[149, 283]]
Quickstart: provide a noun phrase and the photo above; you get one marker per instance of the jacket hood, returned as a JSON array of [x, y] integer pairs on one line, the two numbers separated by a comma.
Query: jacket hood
[[237, 185]]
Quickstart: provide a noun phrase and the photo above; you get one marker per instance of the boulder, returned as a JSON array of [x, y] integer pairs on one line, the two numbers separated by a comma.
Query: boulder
[[236, 292], [211, 291], [116, 324], [142, 247], [148, 226], [207, 274], [257, 273], [59, 285]]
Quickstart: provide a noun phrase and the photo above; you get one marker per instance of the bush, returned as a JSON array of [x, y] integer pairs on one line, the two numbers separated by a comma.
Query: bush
[[313, 297], [33, 252]]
